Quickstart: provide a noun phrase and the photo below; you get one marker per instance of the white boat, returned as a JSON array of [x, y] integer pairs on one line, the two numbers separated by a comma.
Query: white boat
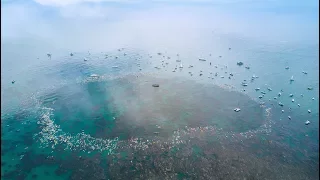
[[181, 65], [291, 79]]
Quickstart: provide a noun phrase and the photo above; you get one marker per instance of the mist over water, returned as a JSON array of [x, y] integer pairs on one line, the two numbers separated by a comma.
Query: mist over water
[[95, 114]]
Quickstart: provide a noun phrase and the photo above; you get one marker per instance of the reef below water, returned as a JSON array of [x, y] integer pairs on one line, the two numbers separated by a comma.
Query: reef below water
[[124, 128]]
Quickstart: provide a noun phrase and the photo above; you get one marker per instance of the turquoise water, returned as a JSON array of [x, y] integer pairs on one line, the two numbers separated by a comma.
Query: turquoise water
[[66, 118], [116, 125]]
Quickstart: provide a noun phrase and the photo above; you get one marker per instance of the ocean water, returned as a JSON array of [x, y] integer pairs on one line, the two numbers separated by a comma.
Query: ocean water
[[96, 115]]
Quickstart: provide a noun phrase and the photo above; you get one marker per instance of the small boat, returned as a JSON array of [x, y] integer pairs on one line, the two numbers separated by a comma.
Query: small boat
[[257, 89], [181, 66], [292, 100], [115, 66], [291, 95], [291, 79], [307, 122], [269, 89], [280, 104], [237, 109], [200, 59], [287, 68], [240, 63], [309, 111]]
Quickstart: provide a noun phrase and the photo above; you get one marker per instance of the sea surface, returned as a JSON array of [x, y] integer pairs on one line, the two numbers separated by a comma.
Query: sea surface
[[93, 112]]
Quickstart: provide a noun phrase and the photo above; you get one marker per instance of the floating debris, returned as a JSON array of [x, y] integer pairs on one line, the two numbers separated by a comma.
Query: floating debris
[[229, 48], [210, 63], [200, 59], [71, 54], [287, 68], [222, 76], [279, 94], [94, 75], [260, 97], [257, 89], [49, 55], [237, 109], [310, 88], [115, 66], [275, 97], [155, 85], [291, 95], [117, 57], [304, 72], [247, 67], [200, 74], [13, 81], [159, 54], [124, 54], [216, 74], [280, 104], [262, 92], [85, 59], [301, 95], [240, 63], [309, 111], [231, 74], [307, 122]]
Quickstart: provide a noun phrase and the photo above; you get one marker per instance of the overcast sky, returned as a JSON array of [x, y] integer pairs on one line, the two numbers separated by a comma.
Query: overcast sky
[[96, 23]]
